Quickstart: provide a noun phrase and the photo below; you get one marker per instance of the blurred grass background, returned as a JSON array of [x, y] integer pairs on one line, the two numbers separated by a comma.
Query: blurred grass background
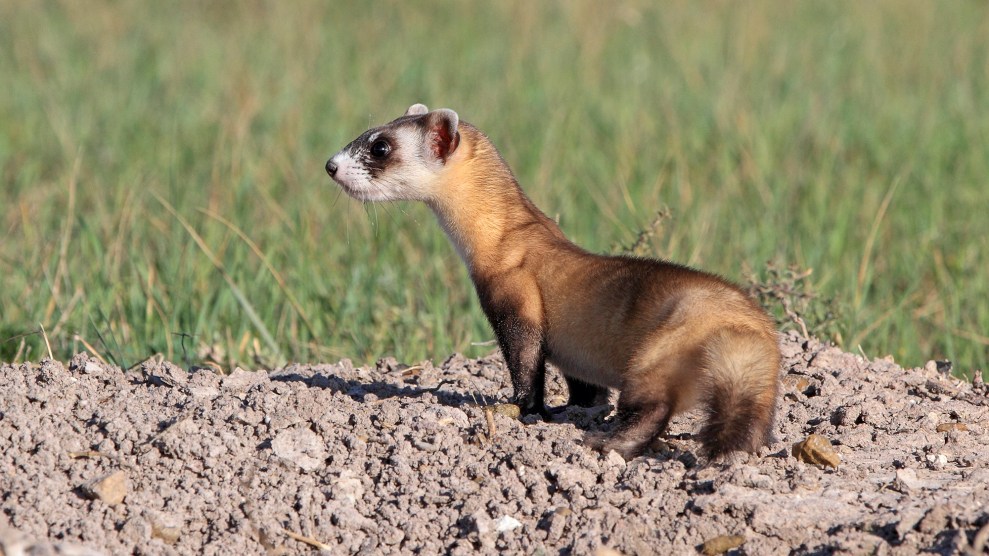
[[163, 187]]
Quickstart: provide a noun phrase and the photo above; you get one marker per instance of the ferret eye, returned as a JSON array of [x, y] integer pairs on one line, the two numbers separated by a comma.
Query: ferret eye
[[380, 149]]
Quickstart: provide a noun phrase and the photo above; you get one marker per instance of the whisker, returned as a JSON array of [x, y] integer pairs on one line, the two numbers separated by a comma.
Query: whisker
[[336, 198], [387, 208], [369, 208]]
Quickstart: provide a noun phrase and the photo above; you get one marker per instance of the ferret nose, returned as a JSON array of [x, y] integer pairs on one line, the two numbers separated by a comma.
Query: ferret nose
[[331, 167]]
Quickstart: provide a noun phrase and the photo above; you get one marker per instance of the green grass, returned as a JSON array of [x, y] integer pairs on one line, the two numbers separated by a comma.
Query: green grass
[[163, 187]]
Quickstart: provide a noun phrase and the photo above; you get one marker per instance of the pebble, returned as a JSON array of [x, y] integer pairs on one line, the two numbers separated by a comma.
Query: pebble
[[507, 409], [301, 446], [817, 450], [111, 489], [906, 480], [936, 461], [721, 544], [507, 523]]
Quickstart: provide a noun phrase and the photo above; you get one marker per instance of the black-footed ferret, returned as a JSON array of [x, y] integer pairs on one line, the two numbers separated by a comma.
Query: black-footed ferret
[[668, 337]]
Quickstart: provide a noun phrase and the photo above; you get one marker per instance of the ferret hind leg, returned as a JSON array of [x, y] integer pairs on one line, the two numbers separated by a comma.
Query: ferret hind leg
[[637, 423]]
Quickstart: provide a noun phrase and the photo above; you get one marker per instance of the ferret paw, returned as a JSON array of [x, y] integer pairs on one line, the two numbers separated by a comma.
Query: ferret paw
[[604, 443], [535, 409], [557, 411]]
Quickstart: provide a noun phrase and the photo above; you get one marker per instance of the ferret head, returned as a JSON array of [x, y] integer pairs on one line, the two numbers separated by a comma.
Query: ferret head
[[399, 160]]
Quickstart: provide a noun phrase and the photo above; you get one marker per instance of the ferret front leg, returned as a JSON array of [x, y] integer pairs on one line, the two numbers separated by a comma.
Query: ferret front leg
[[522, 347]]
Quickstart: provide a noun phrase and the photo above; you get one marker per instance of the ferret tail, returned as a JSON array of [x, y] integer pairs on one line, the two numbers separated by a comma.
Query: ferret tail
[[742, 372]]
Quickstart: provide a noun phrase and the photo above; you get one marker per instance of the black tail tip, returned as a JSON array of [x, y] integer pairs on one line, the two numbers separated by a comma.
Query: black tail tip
[[747, 431]]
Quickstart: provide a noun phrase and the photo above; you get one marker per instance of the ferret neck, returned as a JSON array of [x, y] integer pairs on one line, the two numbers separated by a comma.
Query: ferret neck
[[480, 205]]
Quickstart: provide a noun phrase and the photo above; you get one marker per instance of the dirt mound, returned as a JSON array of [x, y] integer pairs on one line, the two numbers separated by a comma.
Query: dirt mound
[[397, 459]]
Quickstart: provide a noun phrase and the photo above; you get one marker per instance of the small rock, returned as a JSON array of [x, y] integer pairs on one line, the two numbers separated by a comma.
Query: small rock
[[507, 523], [167, 533], [92, 367], [936, 461], [348, 487], [816, 450], [509, 410], [165, 526], [111, 489], [721, 544], [300, 446], [906, 480]]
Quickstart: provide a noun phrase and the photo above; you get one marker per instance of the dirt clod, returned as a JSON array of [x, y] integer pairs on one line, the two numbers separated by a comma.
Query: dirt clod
[[817, 450], [947, 427], [509, 410], [721, 544], [168, 533], [111, 489], [380, 460], [300, 446], [507, 523]]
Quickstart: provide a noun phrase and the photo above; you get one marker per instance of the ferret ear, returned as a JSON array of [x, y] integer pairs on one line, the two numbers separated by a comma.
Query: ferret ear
[[441, 134], [416, 110]]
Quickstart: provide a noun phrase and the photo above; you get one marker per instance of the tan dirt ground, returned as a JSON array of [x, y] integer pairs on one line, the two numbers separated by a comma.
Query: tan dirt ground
[[396, 459]]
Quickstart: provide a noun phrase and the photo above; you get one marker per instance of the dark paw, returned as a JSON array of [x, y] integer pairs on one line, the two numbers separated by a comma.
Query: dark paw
[[535, 409], [604, 443], [545, 413]]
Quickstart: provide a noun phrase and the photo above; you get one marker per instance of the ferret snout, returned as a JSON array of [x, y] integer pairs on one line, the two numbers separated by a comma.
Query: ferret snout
[[331, 167]]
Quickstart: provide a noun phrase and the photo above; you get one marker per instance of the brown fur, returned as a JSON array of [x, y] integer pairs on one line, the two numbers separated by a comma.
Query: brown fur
[[667, 336]]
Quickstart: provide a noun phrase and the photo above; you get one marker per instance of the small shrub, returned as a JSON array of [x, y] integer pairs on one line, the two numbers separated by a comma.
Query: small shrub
[[787, 294]]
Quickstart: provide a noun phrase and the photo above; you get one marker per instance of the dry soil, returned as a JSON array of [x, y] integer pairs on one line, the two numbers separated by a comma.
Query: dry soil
[[399, 459]]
